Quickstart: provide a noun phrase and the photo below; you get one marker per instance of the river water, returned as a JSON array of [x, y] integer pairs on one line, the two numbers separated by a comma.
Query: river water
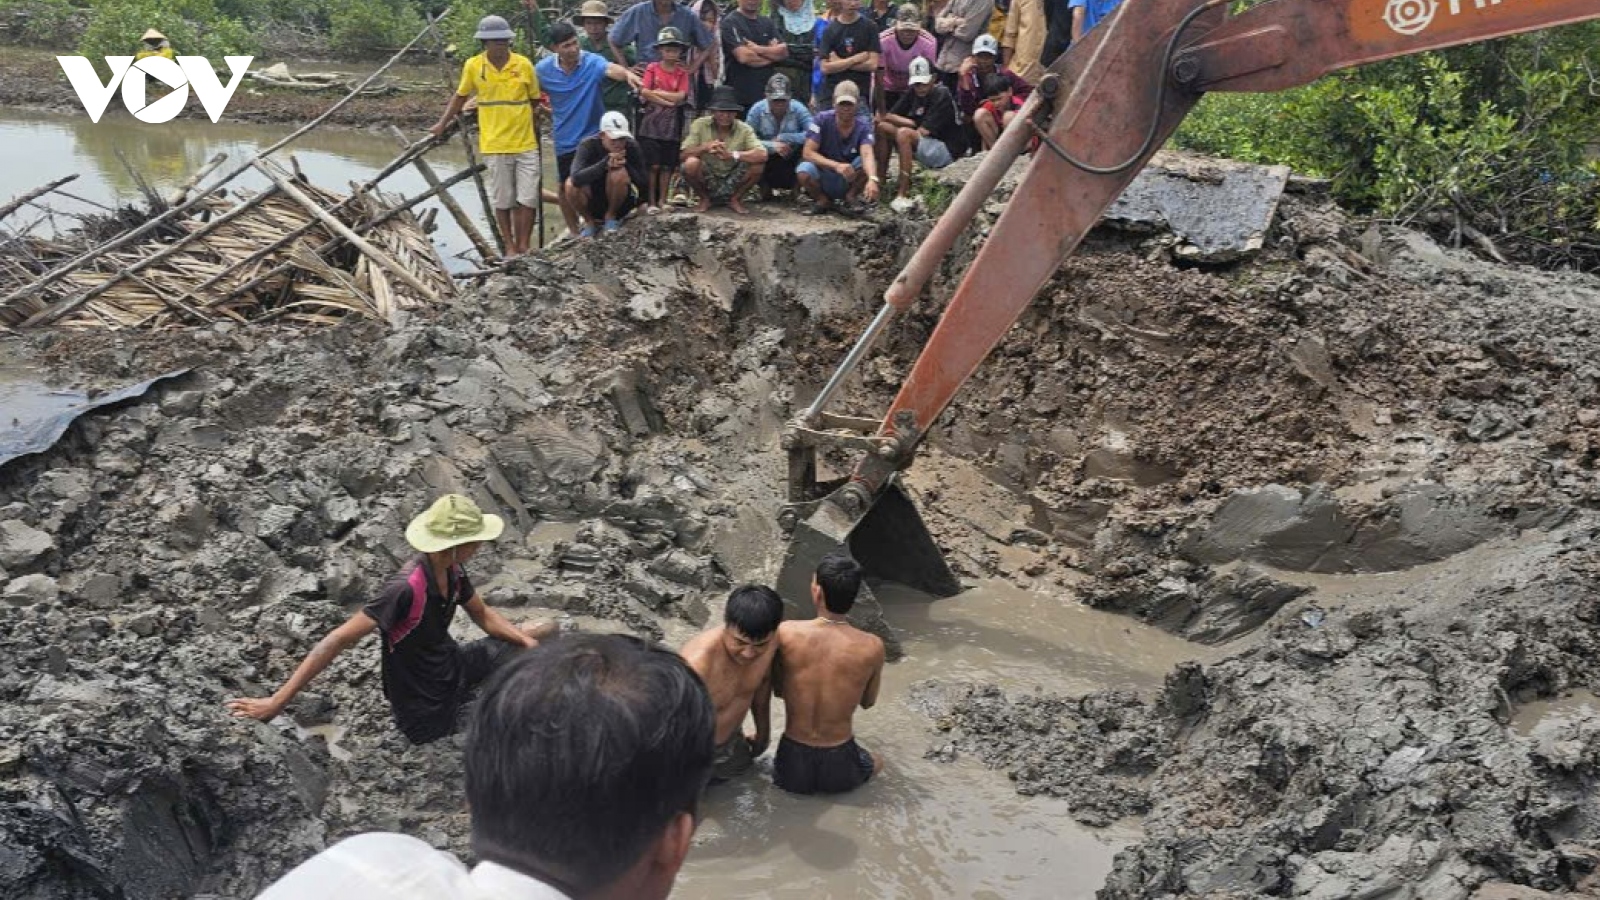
[[36, 147], [928, 829]]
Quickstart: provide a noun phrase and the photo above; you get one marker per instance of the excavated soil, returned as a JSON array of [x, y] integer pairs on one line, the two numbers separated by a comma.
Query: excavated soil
[[1359, 466]]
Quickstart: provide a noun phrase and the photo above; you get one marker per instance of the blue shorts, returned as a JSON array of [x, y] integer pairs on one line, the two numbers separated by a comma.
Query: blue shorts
[[834, 187]]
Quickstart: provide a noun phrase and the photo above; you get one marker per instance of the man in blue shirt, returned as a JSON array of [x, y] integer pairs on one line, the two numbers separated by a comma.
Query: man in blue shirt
[[642, 24], [837, 163], [780, 123], [572, 78], [1087, 13]]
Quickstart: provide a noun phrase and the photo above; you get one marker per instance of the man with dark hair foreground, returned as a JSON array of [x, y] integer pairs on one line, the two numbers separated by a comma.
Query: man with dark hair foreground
[[826, 668], [735, 661], [584, 764]]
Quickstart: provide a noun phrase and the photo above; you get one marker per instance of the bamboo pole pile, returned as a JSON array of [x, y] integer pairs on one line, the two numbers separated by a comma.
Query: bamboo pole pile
[[291, 252]]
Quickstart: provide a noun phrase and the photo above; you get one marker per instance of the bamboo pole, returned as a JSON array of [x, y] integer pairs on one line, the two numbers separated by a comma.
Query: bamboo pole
[[56, 311], [259, 255], [448, 202], [32, 195], [172, 248], [483, 192], [182, 193], [379, 258]]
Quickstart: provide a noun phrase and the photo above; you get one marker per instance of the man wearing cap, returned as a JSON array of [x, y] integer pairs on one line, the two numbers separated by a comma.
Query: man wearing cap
[[721, 156], [640, 27], [751, 47], [899, 45], [837, 164], [427, 676], [572, 78], [608, 175], [970, 93], [922, 127], [961, 23], [595, 19], [154, 43], [849, 51], [780, 124], [506, 88]]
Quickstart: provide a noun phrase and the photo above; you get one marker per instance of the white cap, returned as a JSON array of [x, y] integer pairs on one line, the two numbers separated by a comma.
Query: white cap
[[921, 72], [986, 44], [615, 125]]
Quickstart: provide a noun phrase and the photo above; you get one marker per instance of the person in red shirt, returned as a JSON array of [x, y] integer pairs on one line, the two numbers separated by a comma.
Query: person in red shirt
[[666, 97]]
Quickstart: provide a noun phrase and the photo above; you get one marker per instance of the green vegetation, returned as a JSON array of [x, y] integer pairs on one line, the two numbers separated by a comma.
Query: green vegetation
[[1500, 137]]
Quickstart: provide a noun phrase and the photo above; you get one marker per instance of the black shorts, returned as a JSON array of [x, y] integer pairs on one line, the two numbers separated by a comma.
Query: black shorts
[[478, 659], [597, 202], [564, 166], [659, 153], [804, 769], [779, 171]]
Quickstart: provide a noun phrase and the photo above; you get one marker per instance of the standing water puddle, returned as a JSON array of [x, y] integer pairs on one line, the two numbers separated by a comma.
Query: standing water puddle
[[926, 829], [1579, 704], [36, 147]]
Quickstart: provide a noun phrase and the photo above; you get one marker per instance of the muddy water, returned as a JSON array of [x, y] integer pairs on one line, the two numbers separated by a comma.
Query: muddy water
[[927, 829], [1577, 705], [36, 147]]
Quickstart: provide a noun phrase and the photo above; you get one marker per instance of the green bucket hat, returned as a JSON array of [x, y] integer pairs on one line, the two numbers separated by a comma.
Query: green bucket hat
[[452, 520]]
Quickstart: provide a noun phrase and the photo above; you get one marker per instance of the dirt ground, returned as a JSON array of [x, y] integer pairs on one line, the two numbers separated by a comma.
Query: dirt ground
[[1360, 465]]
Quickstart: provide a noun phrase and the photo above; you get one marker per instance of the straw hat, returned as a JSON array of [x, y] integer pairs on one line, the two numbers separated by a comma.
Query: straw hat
[[452, 520], [153, 35], [594, 9]]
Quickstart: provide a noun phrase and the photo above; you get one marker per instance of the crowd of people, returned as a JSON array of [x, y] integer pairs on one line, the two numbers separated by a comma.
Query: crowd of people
[[747, 101], [586, 755]]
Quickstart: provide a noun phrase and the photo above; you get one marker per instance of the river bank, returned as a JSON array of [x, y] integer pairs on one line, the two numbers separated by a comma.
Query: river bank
[[33, 80]]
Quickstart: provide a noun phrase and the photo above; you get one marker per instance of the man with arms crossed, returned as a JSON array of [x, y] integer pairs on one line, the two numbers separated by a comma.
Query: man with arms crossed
[[735, 661], [826, 668]]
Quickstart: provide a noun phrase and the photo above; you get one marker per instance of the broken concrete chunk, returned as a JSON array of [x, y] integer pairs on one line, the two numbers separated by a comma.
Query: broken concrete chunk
[[21, 545], [31, 590]]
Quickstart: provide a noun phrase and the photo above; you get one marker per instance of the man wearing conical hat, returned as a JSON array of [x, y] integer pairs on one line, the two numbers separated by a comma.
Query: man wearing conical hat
[[427, 676], [154, 43]]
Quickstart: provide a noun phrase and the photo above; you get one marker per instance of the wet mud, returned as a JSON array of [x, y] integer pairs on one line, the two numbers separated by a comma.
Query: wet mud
[[1276, 553]]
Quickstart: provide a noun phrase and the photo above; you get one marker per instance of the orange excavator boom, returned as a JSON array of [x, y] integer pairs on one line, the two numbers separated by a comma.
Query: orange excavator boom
[[1104, 108]]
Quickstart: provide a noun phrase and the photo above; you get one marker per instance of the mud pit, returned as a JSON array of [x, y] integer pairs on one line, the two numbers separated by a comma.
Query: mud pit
[[1355, 473]]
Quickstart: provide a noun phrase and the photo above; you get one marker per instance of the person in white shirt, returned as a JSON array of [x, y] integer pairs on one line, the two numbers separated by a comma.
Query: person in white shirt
[[584, 766]]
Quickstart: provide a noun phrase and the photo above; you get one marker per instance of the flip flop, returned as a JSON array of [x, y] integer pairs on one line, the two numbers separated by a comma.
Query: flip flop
[[586, 233]]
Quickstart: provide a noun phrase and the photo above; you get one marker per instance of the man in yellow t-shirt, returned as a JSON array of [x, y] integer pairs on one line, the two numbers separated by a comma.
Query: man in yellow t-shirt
[[154, 43], [506, 89]]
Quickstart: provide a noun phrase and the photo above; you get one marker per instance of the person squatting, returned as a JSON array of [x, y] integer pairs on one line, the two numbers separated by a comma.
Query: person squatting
[[667, 106]]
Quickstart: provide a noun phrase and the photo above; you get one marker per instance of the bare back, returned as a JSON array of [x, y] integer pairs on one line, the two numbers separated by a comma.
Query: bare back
[[732, 685], [828, 668]]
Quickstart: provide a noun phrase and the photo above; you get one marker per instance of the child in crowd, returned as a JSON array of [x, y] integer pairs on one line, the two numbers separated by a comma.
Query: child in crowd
[[1000, 105], [710, 70], [665, 94]]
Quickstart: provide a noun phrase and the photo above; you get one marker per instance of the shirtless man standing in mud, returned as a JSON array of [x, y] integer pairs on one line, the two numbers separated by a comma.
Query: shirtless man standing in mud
[[826, 668], [735, 662]]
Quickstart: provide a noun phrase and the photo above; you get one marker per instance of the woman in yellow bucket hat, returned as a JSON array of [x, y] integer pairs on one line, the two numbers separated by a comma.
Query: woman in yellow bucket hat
[[427, 676]]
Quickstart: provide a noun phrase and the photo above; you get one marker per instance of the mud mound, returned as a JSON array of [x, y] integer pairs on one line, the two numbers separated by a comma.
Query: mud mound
[[1179, 443]]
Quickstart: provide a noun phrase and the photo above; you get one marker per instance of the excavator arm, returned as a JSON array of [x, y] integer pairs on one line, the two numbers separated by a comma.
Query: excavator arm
[[1104, 108]]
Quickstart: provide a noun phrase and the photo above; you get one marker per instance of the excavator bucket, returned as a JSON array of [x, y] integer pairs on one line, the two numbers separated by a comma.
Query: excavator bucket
[[889, 540]]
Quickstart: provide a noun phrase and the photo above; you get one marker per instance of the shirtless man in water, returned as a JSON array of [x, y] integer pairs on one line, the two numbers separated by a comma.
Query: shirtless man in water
[[826, 668], [735, 662]]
